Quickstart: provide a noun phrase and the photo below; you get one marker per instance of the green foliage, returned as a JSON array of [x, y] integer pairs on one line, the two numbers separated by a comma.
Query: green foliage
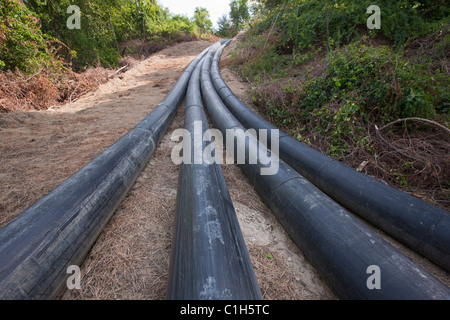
[[431, 10], [321, 75], [362, 83], [382, 80], [341, 125], [104, 24], [224, 27], [260, 57], [239, 14], [202, 19], [177, 24], [43, 41], [22, 43], [302, 24], [378, 79], [267, 61]]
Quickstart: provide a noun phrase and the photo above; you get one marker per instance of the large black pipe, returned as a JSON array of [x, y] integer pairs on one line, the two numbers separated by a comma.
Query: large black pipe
[[59, 229], [209, 259], [347, 254], [421, 226]]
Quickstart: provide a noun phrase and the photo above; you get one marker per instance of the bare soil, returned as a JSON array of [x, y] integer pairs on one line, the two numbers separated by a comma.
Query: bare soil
[[130, 259]]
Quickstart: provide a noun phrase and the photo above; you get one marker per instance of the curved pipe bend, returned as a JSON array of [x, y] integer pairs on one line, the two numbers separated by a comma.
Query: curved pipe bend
[[340, 247], [419, 225]]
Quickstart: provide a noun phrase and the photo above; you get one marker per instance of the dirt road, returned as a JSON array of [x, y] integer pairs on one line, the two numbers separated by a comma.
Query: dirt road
[[130, 259]]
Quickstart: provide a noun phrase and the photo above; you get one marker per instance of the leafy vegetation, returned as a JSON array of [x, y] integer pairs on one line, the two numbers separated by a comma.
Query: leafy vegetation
[[33, 30], [22, 43], [203, 20], [322, 75], [239, 18], [224, 27], [44, 44], [105, 24], [302, 24]]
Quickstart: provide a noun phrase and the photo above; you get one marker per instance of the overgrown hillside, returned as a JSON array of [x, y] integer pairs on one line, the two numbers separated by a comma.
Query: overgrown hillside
[[54, 51], [376, 99]]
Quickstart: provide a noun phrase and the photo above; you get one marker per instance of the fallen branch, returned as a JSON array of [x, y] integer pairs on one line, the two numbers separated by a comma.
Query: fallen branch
[[273, 24], [416, 119], [34, 75], [120, 69], [394, 147], [70, 98]]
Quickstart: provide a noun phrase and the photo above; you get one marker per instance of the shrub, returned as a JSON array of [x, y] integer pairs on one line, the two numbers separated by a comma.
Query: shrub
[[384, 81], [22, 43], [362, 84]]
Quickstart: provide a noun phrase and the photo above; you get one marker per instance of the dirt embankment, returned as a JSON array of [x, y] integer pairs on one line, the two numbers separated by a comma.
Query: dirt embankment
[[130, 259]]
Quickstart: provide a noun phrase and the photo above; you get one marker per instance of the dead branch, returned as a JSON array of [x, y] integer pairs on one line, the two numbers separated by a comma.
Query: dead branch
[[394, 147], [120, 69], [416, 119]]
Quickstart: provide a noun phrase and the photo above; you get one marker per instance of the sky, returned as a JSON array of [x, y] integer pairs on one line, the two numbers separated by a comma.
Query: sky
[[216, 8]]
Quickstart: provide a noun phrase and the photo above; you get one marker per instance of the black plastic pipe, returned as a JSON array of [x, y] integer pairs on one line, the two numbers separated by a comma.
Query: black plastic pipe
[[419, 225], [344, 251], [209, 259], [59, 229]]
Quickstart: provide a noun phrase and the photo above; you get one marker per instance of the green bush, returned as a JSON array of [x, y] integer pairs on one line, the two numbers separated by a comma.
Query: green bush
[[341, 126], [22, 43], [302, 24], [105, 24], [361, 84], [382, 80]]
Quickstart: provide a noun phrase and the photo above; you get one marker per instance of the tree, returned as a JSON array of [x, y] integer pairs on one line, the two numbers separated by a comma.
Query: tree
[[103, 25], [239, 14], [22, 43], [224, 27], [270, 4], [202, 19], [431, 10]]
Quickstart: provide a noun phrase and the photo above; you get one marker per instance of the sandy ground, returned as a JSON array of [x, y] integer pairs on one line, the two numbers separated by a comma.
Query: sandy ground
[[130, 259]]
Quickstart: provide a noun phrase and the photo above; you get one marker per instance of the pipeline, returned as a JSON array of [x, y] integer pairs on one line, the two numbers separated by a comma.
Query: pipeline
[[57, 231], [419, 225], [342, 249], [209, 259]]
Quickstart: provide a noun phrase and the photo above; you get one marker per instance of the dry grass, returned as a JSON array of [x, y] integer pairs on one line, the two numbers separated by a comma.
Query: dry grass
[[415, 156], [130, 259], [275, 286], [20, 92]]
